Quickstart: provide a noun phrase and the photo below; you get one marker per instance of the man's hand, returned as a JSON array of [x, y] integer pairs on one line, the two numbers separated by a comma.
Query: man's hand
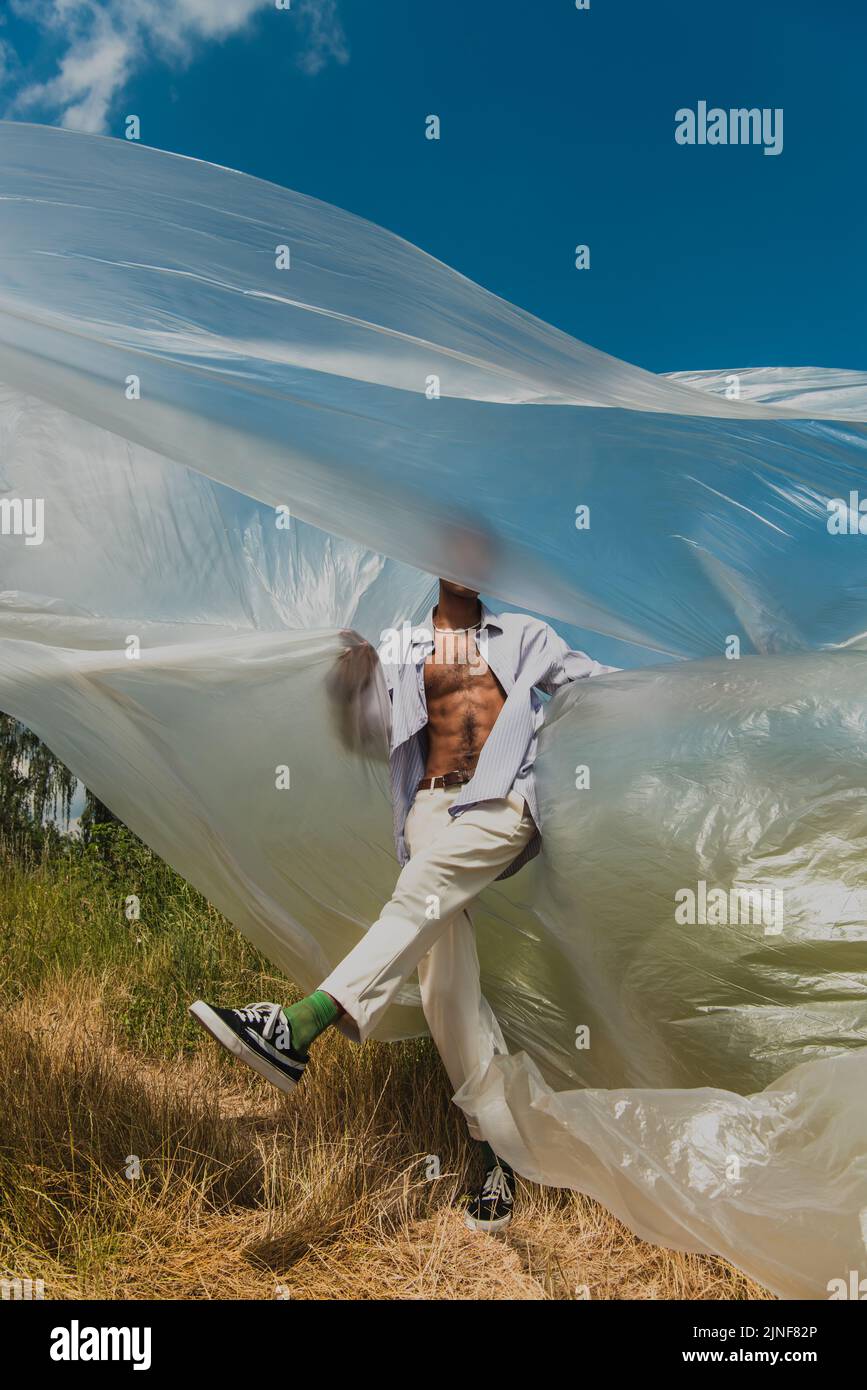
[[359, 700], [353, 670]]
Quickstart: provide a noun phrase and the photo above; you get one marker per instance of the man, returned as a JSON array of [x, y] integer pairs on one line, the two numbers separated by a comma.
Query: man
[[465, 715]]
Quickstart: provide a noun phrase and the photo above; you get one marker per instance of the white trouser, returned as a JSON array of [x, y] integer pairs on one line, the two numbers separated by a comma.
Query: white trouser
[[426, 926]]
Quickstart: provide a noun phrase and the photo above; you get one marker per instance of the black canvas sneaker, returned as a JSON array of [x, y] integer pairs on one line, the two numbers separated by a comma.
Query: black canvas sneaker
[[258, 1035], [491, 1207]]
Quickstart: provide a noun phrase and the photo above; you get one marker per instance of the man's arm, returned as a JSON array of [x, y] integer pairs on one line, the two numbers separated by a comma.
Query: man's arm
[[355, 689], [568, 665]]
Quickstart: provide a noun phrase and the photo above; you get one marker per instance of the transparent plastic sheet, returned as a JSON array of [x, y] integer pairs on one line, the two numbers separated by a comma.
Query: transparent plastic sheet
[[315, 386], [708, 1044]]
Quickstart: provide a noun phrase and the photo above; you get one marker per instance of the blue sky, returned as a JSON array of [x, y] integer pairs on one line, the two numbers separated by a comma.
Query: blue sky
[[557, 128]]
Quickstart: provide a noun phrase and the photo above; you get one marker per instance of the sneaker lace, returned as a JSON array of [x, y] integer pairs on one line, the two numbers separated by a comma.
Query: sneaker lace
[[496, 1185], [268, 1014]]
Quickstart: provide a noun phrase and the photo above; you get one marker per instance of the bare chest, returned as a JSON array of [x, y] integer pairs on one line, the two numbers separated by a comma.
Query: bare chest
[[466, 674]]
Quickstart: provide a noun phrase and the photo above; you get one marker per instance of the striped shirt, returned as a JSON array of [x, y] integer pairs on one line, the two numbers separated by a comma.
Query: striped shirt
[[526, 656]]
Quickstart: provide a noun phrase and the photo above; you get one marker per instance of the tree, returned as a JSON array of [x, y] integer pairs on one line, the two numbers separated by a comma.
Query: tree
[[37, 790]]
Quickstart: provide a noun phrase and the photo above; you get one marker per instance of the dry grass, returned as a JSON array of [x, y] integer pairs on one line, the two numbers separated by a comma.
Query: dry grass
[[244, 1193]]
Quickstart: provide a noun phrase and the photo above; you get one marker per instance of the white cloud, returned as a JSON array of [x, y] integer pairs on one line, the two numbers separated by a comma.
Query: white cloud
[[106, 41], [326, 40]]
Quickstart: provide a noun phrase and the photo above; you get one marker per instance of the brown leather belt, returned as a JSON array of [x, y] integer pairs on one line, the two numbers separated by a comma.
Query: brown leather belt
[[446, 779]]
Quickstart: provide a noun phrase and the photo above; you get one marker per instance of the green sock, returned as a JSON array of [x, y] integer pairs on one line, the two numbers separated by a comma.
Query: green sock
[[310, 1017]]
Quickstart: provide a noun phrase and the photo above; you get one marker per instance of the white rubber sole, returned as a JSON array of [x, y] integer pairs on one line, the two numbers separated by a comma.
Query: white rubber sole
[[213, 1024], [500, 1224]]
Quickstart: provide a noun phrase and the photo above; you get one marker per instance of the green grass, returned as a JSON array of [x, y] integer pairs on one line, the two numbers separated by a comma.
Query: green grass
[[241, 1190], [65, 915]]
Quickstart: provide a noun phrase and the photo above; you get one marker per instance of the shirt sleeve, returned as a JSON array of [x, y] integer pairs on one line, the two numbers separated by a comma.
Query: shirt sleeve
[[389, 670], [568, 665]]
